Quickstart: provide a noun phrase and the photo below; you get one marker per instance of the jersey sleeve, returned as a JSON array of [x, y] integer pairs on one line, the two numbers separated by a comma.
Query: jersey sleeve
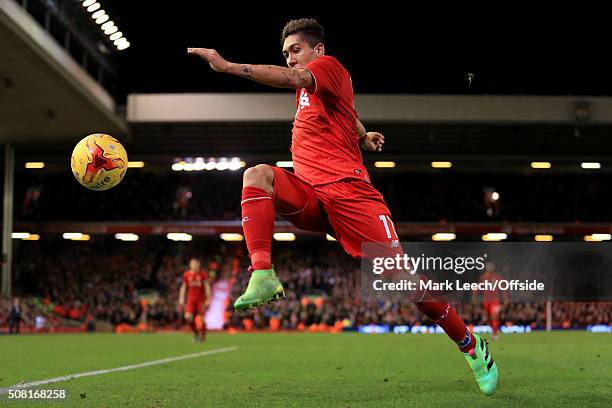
[[328, 75], [185, 280]]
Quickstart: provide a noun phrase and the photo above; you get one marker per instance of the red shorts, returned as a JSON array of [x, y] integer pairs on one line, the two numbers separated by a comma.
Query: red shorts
[[195, 306], [490, 307], [351, 210]]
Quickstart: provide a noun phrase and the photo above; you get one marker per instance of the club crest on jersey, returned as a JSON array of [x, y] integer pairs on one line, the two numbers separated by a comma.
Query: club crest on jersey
[[304, 101]]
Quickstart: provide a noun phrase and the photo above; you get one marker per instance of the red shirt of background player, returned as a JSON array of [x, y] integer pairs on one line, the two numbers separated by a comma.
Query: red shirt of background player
[[325, 141], [490, 295], [195, 281]]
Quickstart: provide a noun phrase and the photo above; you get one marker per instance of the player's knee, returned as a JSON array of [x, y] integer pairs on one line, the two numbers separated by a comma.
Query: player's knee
[[188, 317], [260, 176]]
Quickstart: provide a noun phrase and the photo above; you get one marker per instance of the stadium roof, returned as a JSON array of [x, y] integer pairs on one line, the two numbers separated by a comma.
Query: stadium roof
[[44, 93]]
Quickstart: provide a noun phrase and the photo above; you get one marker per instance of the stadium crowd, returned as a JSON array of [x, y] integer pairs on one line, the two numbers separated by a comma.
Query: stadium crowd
[[323, 287], [103, 284], [410, 196]]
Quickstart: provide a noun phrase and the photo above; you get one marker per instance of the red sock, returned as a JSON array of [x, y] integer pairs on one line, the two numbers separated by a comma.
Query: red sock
[[446, 317], [258, 226], [198, 322]]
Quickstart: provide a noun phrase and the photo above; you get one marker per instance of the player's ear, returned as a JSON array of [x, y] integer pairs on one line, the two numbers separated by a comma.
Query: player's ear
[[319, 49]]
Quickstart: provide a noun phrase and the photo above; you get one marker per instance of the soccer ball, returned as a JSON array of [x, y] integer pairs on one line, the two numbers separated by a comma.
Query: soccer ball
[[99, 162]]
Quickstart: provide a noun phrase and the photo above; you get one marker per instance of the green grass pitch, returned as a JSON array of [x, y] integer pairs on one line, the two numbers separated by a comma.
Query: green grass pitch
[[559, 369]]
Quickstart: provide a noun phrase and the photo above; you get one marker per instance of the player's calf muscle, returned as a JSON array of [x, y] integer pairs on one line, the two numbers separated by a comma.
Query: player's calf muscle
[[260, 176]]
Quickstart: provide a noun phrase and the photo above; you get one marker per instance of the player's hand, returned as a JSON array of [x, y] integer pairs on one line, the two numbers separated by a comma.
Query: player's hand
[[216, 61], [373, 142]]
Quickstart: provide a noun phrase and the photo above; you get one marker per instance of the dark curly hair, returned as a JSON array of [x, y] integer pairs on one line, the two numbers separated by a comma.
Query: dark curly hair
[[311, 31]]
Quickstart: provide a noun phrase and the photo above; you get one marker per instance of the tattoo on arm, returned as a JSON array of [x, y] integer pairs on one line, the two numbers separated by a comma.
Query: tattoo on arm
[[273, 75], [247, 71], [288, 78]]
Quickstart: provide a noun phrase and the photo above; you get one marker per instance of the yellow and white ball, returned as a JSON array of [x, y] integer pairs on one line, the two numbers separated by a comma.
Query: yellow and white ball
[[99, 162]]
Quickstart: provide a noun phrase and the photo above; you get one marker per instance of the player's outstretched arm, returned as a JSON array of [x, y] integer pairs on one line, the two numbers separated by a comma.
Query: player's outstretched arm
[[272, 75]]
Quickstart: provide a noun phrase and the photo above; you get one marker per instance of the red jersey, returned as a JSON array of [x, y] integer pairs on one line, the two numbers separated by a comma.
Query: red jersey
[[195, 284], [325, 142], [490, 295]]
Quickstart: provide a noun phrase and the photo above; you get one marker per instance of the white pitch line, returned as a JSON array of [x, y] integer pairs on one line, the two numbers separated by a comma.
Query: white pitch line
[[113, 370]]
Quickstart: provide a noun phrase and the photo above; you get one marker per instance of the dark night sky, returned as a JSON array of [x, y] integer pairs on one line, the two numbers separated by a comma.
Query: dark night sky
[[387, 50]]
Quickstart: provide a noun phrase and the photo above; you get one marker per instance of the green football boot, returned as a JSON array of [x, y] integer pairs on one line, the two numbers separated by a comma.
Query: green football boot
[[263, 287], [482, 364]]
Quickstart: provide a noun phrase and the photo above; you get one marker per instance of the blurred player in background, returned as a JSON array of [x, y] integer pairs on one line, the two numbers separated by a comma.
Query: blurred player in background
[[194, 298], [330, 191], [14, 317], [491, 298]]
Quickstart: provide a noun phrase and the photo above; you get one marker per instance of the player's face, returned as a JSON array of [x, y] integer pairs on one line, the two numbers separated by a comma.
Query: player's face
[[298, 53], [194, 265]]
